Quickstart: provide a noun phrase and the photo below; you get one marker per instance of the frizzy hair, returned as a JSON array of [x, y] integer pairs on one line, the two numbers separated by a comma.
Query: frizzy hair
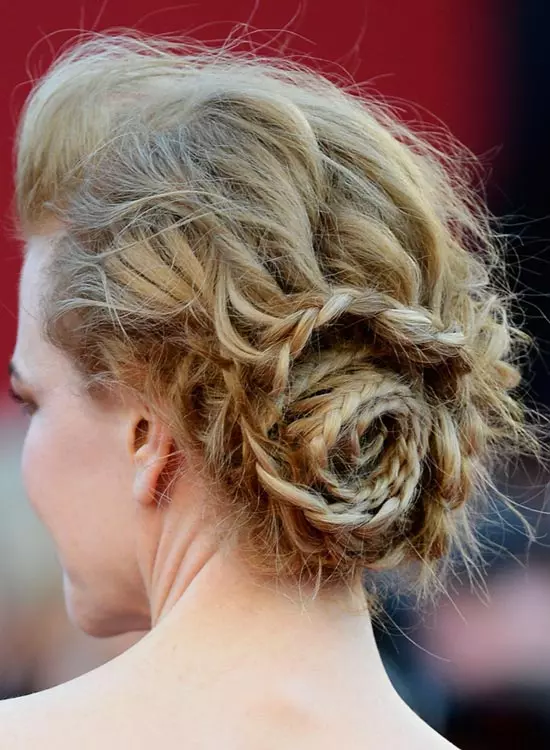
[[310, 293]]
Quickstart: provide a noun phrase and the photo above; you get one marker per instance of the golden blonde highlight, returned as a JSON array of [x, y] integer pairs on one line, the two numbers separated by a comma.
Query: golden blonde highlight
[[312, 293]]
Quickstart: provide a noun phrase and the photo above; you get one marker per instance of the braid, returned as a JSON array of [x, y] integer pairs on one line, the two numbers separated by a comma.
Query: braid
[[310, 292]]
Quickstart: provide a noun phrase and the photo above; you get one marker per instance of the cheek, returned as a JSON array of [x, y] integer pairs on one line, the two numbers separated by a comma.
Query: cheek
[[71, 472], [39, 467], [50, 465]]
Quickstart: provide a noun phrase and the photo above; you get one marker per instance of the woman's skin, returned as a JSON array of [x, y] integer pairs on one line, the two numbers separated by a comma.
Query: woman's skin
[[227, 662]]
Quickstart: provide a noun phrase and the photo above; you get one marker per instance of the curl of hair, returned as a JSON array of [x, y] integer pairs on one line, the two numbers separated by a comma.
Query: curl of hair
[[311, 293]]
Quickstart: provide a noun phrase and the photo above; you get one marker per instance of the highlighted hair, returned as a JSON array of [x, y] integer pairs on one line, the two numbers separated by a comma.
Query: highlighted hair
[[308, 291]]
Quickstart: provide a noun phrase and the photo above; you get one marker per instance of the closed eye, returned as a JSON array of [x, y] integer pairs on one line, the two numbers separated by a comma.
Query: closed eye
[[27, 406]]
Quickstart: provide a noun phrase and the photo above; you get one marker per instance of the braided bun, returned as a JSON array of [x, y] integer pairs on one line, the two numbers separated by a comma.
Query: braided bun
[[312, 293]]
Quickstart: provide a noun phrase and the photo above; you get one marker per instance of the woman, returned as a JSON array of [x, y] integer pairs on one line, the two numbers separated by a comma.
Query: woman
[[265, 353]]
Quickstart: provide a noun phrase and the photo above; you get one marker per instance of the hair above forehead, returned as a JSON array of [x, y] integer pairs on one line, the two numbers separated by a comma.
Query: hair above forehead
[[76, 108], [313, 292], [102, 87]]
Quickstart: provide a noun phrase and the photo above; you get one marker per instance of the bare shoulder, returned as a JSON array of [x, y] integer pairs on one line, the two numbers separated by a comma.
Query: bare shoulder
[[410, 732], [97, 709], [395, 726], [113, 709], [60, 718], [23, 722]]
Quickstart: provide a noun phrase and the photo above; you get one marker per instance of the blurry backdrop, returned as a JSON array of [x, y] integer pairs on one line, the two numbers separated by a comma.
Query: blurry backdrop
[[477, 668]]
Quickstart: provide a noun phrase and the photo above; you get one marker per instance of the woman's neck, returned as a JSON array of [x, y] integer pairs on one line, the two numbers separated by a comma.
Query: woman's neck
[[231, 657], [225, 619], [210, 614]]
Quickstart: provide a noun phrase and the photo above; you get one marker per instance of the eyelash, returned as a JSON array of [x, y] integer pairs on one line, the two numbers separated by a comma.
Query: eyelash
[[27, 407]]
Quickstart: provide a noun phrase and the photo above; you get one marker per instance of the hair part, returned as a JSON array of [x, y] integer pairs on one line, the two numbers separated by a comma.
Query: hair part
[[311, 293]]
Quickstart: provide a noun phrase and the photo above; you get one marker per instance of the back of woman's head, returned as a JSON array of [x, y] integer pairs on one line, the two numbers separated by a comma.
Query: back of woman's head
[[309, 294]]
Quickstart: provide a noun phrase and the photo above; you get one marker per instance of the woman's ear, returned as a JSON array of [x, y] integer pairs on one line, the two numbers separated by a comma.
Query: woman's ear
[[152, 451]]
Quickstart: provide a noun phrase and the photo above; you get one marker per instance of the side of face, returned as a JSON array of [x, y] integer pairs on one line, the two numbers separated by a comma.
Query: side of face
[[78, 466]]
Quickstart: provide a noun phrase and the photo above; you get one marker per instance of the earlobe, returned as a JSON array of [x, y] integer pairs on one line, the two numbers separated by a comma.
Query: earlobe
[[142, 490], [152, 451]]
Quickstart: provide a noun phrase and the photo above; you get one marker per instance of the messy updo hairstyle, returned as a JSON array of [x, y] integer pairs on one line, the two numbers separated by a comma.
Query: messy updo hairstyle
[[310, 293]]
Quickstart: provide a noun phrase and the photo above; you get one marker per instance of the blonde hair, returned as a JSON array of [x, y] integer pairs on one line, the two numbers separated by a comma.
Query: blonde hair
[[310, 292]]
